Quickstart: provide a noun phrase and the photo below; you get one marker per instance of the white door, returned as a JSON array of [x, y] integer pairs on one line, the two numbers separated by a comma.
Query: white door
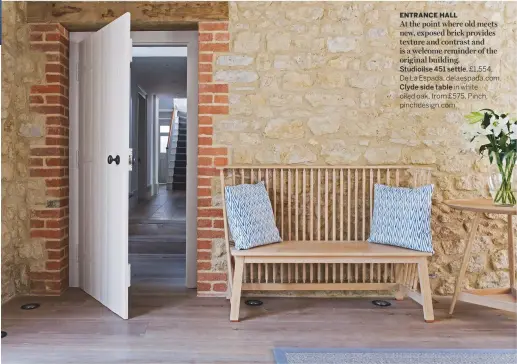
[[104, 86]]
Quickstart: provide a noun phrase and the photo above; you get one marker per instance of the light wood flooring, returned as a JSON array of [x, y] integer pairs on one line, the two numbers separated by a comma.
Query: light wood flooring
[[169, 324]]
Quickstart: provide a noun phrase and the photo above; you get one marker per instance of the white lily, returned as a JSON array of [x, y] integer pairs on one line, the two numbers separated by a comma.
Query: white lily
[[483, 131], [513, 131], [496, 125], [505, 121]]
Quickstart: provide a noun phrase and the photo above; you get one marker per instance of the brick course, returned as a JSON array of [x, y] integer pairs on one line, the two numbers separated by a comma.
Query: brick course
[[49, 161], [213, 100]]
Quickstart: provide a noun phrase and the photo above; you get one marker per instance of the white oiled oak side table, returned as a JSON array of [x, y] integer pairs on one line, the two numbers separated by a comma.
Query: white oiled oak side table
[[499, 298]]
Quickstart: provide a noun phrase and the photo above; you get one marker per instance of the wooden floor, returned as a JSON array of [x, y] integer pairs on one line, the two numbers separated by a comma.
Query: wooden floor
[[158, 226], [169, 324], [165, 205]]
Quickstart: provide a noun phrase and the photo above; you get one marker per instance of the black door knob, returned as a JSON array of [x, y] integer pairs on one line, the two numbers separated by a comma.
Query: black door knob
[[116, 160]]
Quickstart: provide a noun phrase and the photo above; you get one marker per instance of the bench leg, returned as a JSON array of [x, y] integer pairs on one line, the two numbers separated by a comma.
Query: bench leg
[[236, 289], [230, 278], [425, 289]]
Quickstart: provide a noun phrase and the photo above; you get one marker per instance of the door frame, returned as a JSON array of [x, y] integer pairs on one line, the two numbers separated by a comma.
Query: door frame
[[142, 160], [141, 38]]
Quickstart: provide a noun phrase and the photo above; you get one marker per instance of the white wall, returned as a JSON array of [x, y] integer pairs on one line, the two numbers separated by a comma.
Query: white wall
[[133, 133], [151, 101], [148, 162]]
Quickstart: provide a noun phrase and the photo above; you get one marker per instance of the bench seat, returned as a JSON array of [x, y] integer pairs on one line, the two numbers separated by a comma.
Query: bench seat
[[328, 249], [411, 269]]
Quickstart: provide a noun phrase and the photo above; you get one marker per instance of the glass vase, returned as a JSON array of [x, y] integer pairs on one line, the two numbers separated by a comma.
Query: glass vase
[[502, 180]]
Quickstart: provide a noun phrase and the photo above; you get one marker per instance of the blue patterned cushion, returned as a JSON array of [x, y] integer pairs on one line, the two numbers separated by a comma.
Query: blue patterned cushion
[[250, 216], [402, 217]]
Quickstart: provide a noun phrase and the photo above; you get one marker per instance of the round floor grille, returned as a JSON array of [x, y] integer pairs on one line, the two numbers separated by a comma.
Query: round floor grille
[[254, 302]]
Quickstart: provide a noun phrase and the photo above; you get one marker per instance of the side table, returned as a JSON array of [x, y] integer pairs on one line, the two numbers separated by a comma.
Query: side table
[[499, 298]]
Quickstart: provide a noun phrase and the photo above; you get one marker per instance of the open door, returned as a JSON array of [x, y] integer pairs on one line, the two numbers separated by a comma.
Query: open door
[[104, 160]]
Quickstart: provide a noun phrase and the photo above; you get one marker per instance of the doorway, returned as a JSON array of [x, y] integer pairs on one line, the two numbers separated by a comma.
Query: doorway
[[145, 137]]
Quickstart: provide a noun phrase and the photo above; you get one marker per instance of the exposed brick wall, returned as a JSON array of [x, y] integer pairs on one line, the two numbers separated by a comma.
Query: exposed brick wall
[[213, 101], [49, 160]]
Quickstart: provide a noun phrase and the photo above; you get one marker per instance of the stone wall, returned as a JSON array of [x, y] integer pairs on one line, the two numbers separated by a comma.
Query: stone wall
[[309, 83], [317, 83], [20, 128], [34, 155]]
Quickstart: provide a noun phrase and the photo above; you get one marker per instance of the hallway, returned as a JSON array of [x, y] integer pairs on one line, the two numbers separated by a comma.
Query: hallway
[[166, 205], [157, 240]]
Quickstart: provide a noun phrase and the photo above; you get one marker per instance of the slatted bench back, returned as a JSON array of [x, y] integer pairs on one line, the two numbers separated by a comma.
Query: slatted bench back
[[323, 203], [331, 203]]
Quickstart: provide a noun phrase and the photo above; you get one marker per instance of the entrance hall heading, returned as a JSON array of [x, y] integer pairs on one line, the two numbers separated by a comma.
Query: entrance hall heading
[[428, 15]]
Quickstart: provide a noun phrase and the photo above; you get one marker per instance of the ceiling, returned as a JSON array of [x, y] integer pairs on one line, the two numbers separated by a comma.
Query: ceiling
[[161, 75]]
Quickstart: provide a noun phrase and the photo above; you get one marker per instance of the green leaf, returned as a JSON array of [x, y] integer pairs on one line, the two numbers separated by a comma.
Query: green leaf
[[474, 117]]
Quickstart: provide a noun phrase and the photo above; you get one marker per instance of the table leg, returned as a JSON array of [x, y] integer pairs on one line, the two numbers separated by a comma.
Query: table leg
[[511, 253], [465, 262]]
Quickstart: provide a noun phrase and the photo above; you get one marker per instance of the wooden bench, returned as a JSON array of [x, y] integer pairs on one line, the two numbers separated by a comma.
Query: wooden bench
[[324, 214]]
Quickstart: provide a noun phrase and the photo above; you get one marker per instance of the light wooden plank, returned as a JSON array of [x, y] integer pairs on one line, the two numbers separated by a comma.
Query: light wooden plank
[[236, 290], [348, 216], [319, 205], [341, 205], [363, 206], [371, 196], [304, 201], [511, 251], [318, 286], [331, 249], [385, 273], [289, 207], [274, 195], [334, 186], [296, 212], [356, 225], [326, 205], [282, 203], [312, 205], [226, 235]]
